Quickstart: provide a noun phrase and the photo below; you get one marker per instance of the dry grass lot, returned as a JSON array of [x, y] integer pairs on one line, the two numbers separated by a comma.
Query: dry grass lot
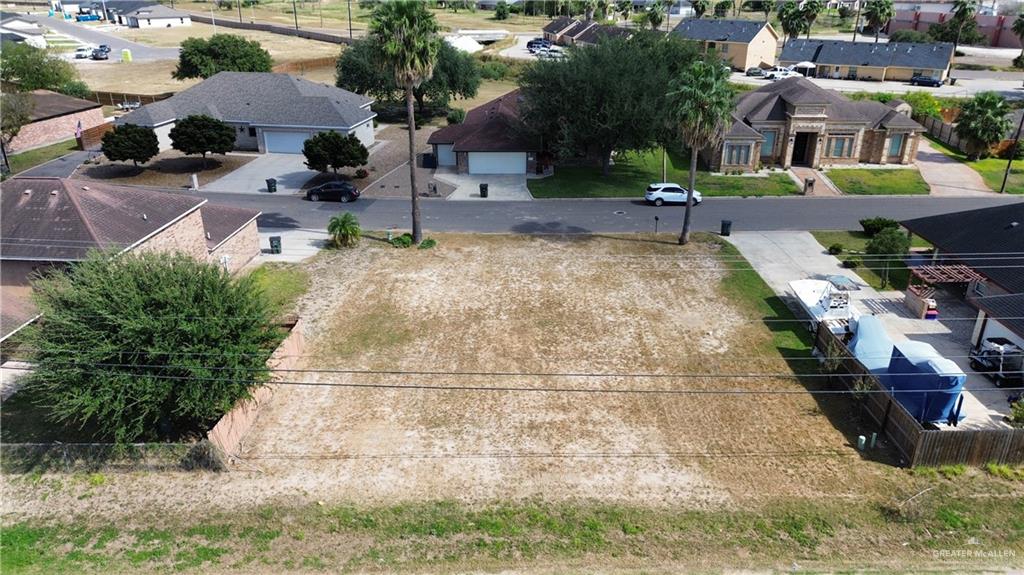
[[169, 169], [281, 48], [152, 77]]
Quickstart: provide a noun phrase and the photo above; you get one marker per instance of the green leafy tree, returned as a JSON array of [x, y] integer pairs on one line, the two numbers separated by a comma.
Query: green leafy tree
[[35, 69], [957, 32], [358, 71], [888, 246], [345, 231], [501, 10], [1018, 30], [722, 8], [810, 11], [15, 111], [923, 104], [700, 105], [333, 151], [204, 57], [201, 135], [910, 36], [607, 97], [700, 7], [878, 13], [130, 142], [406, 35], [982, 123], [147, 346], [655, 15], [625, 7], [791, 19]]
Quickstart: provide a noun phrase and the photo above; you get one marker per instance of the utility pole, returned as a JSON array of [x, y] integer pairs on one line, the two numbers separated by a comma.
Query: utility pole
[[856, 21], [1013, 153], [321, 4], [239, 10], [349, 19], [213, 20], [295, 13]]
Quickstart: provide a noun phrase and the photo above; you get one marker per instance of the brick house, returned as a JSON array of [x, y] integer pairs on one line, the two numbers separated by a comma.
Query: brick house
[[48, 222], [55, 118], [795, 122]]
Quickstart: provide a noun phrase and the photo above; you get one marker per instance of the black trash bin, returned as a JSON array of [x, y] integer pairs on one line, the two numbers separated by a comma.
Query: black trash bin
[[275, 244], [483, 190], [726, 227], [272, 186]]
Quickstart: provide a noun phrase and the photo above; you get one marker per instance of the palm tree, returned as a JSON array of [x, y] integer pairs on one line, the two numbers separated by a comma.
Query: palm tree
[[589, 6], [345, 231], [963, 10], [655, 15], [1018, 29], [405, 34], [766, 8], [700, 104], [791, 19], [699, 7], [624, 8], [984, 120], [878, 13], [810, 13]]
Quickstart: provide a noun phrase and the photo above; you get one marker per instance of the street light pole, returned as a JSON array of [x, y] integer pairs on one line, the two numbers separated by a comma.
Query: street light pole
[[239, 10], [1013, 153], [349, 19], [295, 13]]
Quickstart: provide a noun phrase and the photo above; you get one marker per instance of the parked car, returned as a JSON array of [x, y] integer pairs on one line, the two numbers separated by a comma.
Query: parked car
[[104, 48], [778, 73], [98, 54], [755, 72], [87, 17], [926, 81], [343, 192], [83, 52], [537, 44], [667, 193]]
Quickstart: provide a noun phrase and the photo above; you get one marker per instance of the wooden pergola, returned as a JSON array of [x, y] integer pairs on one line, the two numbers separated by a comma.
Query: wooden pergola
[[945, 274]]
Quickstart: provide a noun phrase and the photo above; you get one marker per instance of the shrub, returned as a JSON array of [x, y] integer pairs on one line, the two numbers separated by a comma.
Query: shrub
[[1017, 152], [494, 70], [1004, 471], [874, 225], [361, 173], [835, 249], [402, 241], [910, 36], [456, 116], [1018, 62], [1017, 413], [427, 244], [851, 264], [501, 10], [345, 231]]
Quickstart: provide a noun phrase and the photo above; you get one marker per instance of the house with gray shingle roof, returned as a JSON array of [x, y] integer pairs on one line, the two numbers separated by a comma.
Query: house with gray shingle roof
[[270, 112], [157, 16], [796, 122], [743, 43], [870, 60]]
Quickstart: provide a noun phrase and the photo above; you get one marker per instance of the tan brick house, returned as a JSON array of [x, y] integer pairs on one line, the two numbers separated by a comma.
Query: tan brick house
[[55, 118], [47, 222], [795, 122]]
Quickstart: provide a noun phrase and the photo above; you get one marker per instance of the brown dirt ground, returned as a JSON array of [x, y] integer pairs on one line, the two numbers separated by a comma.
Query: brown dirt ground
[[517, 304], [169, 169]]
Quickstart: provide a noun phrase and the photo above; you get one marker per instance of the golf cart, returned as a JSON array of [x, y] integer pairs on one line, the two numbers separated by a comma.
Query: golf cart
[[1000, 359]]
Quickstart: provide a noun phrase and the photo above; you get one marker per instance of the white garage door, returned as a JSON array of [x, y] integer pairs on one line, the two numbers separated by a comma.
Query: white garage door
[[445, 155], [497, 162], [285, 142]]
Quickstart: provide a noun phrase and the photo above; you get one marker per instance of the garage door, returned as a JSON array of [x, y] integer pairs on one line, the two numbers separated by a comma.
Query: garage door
[[497, 162], [445, 155], [284, 142]]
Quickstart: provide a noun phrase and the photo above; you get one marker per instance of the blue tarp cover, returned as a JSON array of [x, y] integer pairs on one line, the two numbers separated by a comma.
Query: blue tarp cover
[[930, 371], [871, 345]]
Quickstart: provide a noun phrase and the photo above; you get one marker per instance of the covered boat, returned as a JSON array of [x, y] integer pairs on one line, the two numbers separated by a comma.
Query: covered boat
[[823, 302]]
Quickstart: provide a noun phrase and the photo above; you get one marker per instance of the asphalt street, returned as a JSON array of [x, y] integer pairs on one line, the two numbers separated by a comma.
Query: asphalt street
[[95, 37], [600, 216]]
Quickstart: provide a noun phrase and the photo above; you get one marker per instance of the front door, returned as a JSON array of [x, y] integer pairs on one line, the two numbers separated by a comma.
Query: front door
[[800, 147]]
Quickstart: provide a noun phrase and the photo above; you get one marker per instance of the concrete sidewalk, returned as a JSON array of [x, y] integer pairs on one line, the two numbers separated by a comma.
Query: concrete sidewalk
[[296, 244], [781, 257]]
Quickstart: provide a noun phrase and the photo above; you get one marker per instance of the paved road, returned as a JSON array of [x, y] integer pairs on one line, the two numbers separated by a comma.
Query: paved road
[[601, 216], [965, 87], [95, 37]]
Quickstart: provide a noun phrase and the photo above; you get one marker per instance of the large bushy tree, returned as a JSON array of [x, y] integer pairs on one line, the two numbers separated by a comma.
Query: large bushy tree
[[204, 57], [15, 111], [36, 69], [456, 74], [332, 151], [201, 135], [604, 98], [130, 142], [983, 122], [146, 346], [888, 247]]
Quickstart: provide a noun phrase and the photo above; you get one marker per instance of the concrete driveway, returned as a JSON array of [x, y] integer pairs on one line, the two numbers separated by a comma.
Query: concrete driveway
[[946, 176], [781, 257], [500, 187], [289, 169]]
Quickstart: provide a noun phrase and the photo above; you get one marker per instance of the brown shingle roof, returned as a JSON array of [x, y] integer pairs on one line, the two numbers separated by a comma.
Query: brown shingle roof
[[47, 104], [222, 222], [50, 219], [559, 24], [491, 127]]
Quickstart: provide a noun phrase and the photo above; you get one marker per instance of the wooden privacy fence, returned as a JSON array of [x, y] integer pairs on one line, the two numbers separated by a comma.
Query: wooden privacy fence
[[115, 98], [941, 131], [92, 138], [302, 66], [917, 445], [273, 29]]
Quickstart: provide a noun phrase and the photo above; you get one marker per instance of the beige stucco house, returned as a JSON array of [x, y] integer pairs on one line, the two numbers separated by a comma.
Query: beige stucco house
[[795, 122], [744, 43], [893, 61]]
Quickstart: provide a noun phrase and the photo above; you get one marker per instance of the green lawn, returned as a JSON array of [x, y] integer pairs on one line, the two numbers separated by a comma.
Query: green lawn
[[32, 158], [632, 173], [857, 241], [283, 284], [879, 182], [990, 169]]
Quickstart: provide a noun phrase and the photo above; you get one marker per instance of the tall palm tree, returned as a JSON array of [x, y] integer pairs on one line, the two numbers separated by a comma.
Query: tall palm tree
[[655, 15], [700, 106], [878, 13], [1018, 29], [699, 7], [810, 13], [791, 19], [963, 10], [589, 6], [405, 34]]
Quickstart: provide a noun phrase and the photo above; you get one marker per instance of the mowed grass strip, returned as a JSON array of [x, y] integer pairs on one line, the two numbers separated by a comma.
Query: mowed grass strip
[[32, 158], [634, 171], [856, 242], [878, 182]]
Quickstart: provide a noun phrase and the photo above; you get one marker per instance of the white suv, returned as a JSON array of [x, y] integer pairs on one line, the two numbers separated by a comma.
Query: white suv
[[778, 73], [667, 193]]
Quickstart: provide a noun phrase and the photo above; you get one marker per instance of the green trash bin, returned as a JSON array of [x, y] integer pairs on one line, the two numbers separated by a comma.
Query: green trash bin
[[275, 244], [271, 186]]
